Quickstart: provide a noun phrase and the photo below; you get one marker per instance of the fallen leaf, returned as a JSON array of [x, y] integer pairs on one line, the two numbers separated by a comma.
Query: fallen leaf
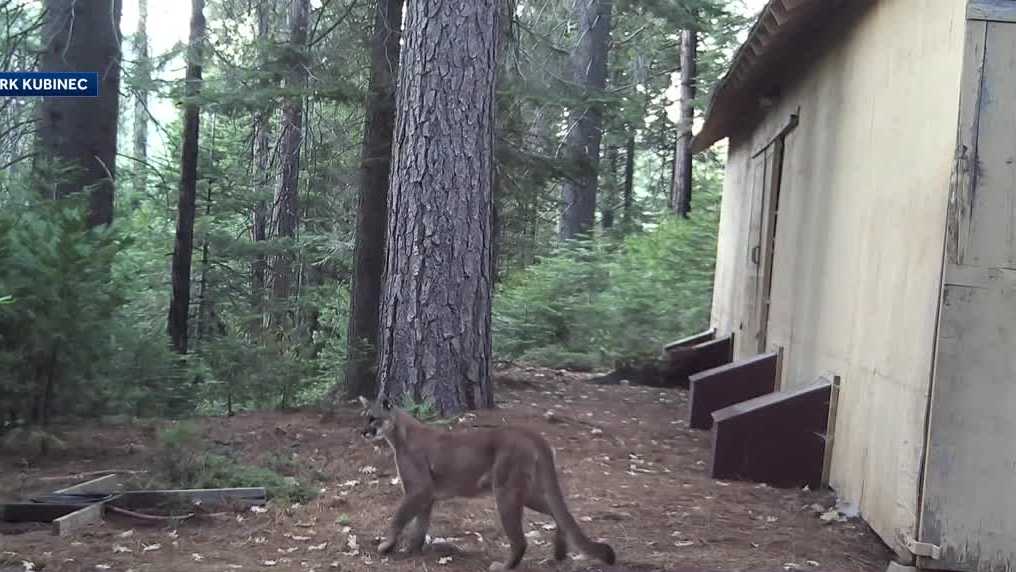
[[117, 549], [258, 509], [316, 547], [150, 547], [197, 557], [444, 560], [270, 562], [126, 533]]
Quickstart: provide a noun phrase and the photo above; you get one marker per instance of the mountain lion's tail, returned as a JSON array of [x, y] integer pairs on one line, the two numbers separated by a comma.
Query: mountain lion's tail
[[559, 510]]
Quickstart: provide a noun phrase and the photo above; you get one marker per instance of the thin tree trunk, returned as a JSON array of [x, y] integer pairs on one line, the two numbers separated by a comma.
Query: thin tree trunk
[[144, 77], [285, 213], [179, 304], [589, 70], [607, 211], [204, 305], [681, 190], [629, 180], [261, 176], [81, 132], [372, 202], [435, 314], [497, 228]]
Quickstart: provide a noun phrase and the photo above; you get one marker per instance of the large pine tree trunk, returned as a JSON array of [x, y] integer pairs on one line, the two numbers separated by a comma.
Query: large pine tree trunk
[[589, 71], [435, 314], [680, 199], [372, 202], [285, 213], [81, 132], [144, 77], [261, 176], [183, 251]]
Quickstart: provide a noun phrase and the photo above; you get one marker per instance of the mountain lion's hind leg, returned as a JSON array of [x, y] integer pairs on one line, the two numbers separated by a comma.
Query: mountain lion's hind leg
[[538, 504], [510, 492]]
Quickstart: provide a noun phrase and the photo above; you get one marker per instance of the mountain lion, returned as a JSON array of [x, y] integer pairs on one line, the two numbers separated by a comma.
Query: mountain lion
[[515, 464]]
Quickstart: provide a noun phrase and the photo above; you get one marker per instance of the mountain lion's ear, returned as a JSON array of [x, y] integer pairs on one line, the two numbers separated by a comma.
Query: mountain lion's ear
[[386, 405]]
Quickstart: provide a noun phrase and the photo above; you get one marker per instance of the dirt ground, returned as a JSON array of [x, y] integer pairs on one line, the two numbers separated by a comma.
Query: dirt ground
[[633, 471]]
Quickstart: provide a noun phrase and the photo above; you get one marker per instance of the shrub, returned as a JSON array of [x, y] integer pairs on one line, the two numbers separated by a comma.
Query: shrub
[[590, 305], [183, 461]]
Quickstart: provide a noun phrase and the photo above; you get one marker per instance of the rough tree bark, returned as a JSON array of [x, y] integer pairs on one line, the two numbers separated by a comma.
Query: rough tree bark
[[372, 202], [435, 313], [183, 251], [285, 213], [81, 132], [261, 177], [144, 77], [589, 70], [680, 199]]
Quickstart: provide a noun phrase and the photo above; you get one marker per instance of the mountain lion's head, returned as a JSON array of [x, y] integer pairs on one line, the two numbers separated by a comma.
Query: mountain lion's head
[[380, 419]]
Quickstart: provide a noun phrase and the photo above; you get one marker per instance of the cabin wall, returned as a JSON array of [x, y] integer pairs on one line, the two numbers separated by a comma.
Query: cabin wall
[[859, 237]]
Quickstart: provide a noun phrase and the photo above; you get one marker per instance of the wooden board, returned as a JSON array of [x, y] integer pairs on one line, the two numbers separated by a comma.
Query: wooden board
[[992, 10], [250, 496], [36, 512], [102, 485], [685, 361], [716, 388], [699, 338], [72, 522], [777, 439]]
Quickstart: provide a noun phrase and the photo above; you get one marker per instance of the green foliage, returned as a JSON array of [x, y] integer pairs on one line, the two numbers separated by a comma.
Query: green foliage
[[422, 410], [183, 461], [30, 441], [56, 335], [591, 304]]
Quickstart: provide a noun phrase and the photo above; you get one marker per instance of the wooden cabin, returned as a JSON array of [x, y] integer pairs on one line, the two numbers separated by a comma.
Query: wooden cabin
[[868, 233]]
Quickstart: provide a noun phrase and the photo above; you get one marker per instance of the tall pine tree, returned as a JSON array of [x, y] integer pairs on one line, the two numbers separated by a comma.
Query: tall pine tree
[[435, 315]]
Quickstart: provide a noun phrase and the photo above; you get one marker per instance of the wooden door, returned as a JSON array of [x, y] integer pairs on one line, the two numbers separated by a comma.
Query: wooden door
[[764, 208], [968, 503]]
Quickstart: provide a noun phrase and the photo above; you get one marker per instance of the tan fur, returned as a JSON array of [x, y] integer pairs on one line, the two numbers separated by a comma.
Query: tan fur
[[513, 463]]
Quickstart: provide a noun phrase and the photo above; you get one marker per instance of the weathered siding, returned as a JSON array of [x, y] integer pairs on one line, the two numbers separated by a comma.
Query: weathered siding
[[860, 236]]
